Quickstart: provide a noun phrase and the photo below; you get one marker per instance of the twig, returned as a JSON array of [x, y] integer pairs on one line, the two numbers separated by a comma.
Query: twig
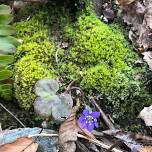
[[69, 86], [12, 115], [99, 143], [103, 115], [95, 141], [44, 135]]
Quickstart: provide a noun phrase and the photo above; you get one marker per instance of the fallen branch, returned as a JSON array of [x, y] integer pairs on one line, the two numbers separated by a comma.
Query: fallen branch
[[103, 115]]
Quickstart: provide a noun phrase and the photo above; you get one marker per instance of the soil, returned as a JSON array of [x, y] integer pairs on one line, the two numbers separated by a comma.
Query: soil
[[8, 121]]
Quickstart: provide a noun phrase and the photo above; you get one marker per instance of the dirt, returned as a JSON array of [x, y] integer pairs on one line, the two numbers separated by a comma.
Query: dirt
[[8, 121]]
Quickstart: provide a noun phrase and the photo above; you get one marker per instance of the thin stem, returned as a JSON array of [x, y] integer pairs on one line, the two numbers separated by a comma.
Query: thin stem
[[99, 143], [103, 115], [12, 115], [44, 135]]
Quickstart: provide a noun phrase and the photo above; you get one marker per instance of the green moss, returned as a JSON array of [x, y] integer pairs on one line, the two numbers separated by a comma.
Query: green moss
[[33, 30], [27, 72], [43, 52], [99, 57], [35, 57], [103, 61]]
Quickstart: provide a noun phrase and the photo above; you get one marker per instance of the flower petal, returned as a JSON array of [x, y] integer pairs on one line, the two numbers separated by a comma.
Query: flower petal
[[82, 119], [90, 126], [84, 125], [85, 112], [96, 123], [95, 114]]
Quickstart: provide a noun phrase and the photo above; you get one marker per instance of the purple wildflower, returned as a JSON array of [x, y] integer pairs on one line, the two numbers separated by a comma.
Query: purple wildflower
[[88, 120]]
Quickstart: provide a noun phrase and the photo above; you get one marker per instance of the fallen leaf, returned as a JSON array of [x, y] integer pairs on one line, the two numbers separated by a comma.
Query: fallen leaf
[[148, 58], [125, 2], [138, 15], [20, 145], [127, 138], [146, 149], [68, 133], [109, 14], [146, 115], [69, 130]]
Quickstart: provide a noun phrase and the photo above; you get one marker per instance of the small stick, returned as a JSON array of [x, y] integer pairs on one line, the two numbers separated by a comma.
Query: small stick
[[44, 135], [12, 115], [95, 141], [69, 86], [103, 115], [99, 143]]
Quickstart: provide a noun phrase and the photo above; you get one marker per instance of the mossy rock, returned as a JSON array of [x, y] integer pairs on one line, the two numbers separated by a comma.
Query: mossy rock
[[99, 57]]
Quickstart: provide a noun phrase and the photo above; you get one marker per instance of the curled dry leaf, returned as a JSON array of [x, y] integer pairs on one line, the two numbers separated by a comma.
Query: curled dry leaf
[[68, 133], [146, 115], [138, 15], [69, 130], [20, 145], [146, 149], [148, 58]]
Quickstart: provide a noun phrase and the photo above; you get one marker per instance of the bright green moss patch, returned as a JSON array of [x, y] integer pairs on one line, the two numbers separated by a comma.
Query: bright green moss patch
[[98, 56], [27, 72], [105, 61], [35, 57], [42, 52]]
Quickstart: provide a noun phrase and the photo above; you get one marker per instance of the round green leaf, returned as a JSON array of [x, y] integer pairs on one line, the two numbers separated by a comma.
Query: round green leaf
[[46, 87]]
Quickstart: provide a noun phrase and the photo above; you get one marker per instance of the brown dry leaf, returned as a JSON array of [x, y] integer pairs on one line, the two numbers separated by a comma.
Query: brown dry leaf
[[127, 138], [125, 2], [146, 149], [109, 14], [146, 115], [148, 58], [20, 145], [68, 132], [138, 15]]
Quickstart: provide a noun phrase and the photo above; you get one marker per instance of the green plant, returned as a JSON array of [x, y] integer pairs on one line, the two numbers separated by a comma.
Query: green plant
[[98, 56], [8, 45], [48, 103], [103, 61], [27, 72], [43, 52], [35, 57]]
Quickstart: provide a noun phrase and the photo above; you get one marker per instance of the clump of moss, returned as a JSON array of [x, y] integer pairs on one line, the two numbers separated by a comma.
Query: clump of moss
[[27, 72], [99, 57], [35, 57], [105, 62], [43, 52]]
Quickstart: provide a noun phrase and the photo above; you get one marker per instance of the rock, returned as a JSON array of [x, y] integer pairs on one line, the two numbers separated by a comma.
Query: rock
[[49, 144]]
